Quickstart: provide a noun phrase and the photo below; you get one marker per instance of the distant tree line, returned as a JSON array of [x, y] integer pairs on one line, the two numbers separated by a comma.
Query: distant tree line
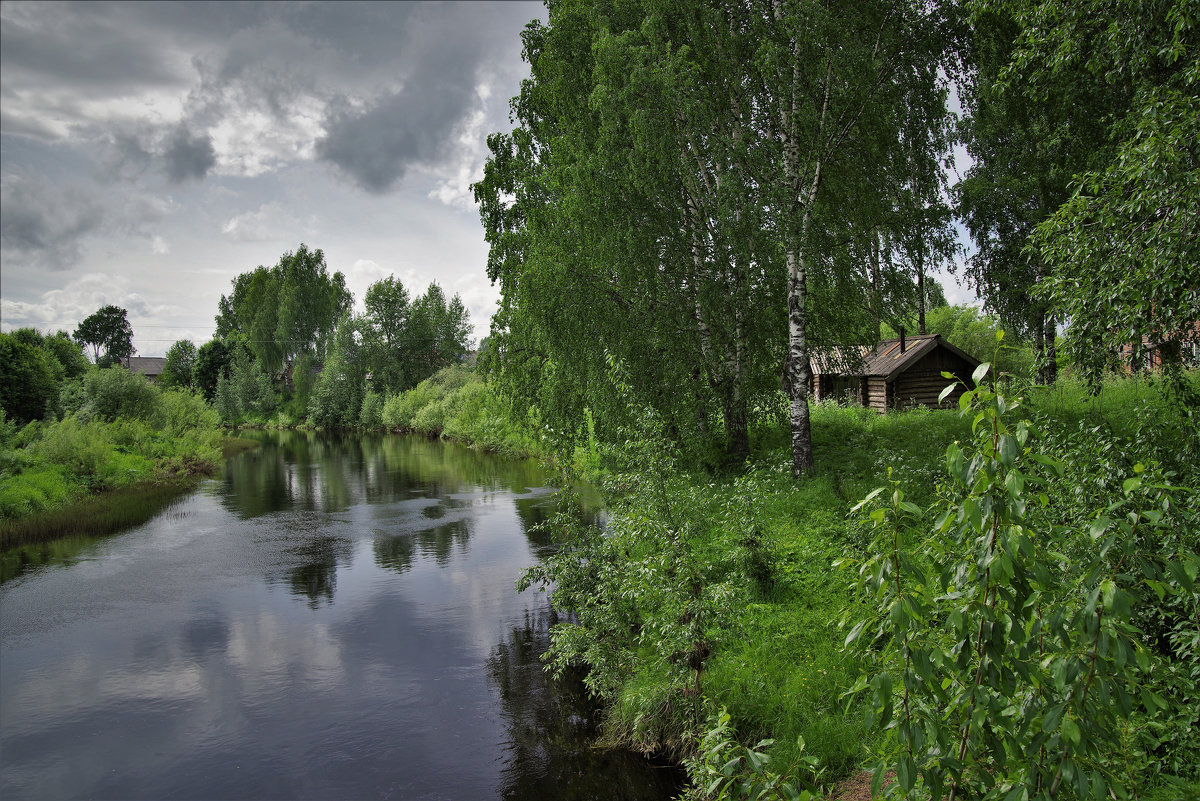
[[286, 339], [287, 336]]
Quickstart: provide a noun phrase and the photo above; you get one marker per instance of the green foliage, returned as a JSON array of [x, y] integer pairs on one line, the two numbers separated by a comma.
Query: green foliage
[[1024, 155], [724, 770], [370, 416], [124, 437], [181, 361], [687, 182], [456, 403], [107, 330], [337, 396], [180, 412], [286, 311], [68, 354], [117, 392], [406, 342], [27, 379], [1121, 247], [247, 395], [1000, 599], [36, 489], [212, 362], [400, 411]]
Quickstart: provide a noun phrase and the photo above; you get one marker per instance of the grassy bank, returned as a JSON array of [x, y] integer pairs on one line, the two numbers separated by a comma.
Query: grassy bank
[[456, 404], [92, 515], [707, 593], [122, 447]]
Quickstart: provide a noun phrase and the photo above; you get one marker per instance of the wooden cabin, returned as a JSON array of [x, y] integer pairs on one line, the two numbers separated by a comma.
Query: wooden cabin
[[149, 366], [895, 374]]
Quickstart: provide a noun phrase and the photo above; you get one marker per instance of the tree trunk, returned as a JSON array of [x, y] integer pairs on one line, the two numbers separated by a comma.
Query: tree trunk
[[876, 295], [1051, 331], [920, 288], [798, 368]]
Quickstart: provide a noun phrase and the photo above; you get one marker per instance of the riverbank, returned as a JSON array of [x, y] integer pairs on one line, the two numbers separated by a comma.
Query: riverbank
[[114, 509], [709, 593]]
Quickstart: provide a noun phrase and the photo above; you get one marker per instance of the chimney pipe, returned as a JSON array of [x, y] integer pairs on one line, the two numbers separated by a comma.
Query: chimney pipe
[[902, 339]]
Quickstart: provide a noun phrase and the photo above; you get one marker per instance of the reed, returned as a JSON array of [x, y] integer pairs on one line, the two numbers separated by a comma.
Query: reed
[[95, 515]]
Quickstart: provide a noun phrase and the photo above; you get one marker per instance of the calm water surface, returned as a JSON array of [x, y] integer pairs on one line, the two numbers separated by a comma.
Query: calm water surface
[[333, 618]]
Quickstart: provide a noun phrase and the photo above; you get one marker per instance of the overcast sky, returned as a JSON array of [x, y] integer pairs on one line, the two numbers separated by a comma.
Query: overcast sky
[[151, 152]]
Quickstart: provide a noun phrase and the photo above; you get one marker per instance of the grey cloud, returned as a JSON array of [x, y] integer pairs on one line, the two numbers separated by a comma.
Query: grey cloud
[[129, 157], [43, 223], [188, 156], [67, 43], [395, 81], [376, 146]]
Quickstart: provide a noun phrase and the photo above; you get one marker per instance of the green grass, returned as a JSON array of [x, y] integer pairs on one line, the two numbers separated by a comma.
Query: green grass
[[93, 515], [777, 663]]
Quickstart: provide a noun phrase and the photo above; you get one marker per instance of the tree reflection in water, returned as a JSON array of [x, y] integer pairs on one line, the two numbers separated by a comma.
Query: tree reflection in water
[[552, 725], [316, 578]]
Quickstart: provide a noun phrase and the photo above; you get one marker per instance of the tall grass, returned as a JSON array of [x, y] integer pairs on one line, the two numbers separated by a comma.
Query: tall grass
[[120, 431], [93, 516]]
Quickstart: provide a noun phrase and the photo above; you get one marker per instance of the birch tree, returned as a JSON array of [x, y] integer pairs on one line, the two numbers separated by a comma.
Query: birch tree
[[841, 86], [681, 190]]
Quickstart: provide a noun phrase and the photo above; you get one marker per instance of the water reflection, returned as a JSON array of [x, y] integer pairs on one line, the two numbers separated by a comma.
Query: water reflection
[[551, 727], [316, 577], [330, 472], [332, 618]]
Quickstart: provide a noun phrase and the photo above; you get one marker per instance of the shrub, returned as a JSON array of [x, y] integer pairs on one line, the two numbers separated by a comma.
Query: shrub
[[430, 418], [81, 447], [116, 392], [181, 411], [401, 410], [371, 415]]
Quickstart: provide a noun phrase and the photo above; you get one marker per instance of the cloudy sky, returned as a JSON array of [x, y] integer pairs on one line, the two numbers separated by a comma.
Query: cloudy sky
[[151, 152]]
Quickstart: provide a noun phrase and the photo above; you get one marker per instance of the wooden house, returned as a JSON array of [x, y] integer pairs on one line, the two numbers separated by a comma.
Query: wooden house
[[895, 374], [149, 366]]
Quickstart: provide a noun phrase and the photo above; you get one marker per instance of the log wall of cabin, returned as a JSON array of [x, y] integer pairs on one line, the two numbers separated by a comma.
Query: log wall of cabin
[[921, 384], [877, 394]]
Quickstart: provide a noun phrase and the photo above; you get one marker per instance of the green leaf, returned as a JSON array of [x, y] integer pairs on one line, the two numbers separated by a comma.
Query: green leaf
[[980, 372], [854, 632], [1108, 591], [1018, 793], [906, 773], [1070, 731]]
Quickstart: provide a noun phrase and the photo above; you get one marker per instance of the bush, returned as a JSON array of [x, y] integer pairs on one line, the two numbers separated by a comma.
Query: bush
[[181, 411], [82, 448], [401, 410], [430, 418], [371, 415], [116, 392]]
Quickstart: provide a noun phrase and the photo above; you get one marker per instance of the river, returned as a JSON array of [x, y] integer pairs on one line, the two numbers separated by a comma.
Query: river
[[333, 617]]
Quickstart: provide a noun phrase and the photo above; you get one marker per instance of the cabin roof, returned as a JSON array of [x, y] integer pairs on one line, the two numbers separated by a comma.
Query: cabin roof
[[885, 359], [146, 365]]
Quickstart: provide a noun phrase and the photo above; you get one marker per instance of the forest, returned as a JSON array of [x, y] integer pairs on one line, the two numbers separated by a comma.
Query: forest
[[698, 202]]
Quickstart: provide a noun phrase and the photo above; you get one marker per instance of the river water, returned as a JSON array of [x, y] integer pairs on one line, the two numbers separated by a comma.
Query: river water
[[334, 617]]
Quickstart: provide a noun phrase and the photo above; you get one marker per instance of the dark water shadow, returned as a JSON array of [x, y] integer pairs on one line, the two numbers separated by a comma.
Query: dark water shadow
[[552, 725]]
